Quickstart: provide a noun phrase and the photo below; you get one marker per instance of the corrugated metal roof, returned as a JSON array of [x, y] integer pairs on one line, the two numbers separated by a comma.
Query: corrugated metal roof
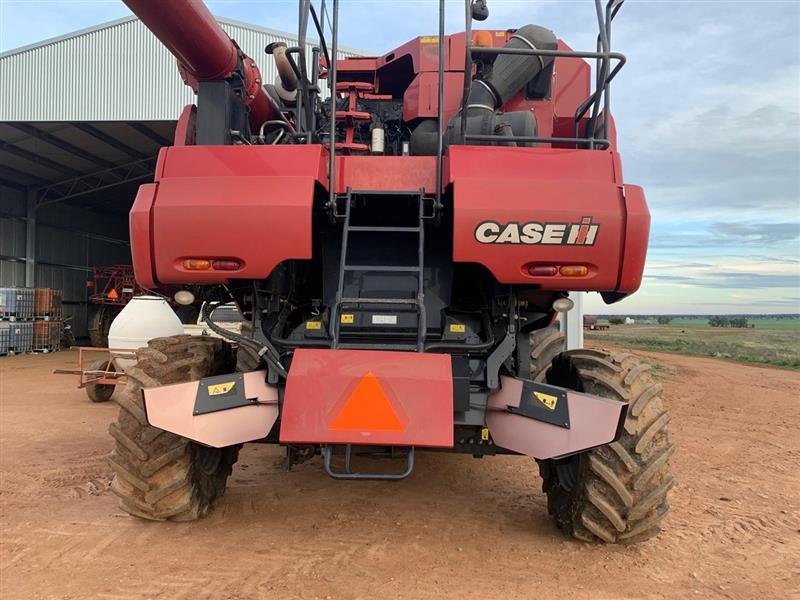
[[117, 71]]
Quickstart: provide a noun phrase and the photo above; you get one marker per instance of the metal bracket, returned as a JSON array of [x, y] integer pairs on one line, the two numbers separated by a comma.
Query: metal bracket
[[497, 358], [327, 455], [504, 349], [524, 355]]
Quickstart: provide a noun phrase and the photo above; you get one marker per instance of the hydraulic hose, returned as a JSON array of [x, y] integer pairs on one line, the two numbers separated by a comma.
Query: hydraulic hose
[[266, 351]]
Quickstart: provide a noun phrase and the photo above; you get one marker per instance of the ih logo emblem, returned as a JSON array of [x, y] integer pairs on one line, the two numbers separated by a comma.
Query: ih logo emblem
[[540, 234], [218, 389], [549, 401]]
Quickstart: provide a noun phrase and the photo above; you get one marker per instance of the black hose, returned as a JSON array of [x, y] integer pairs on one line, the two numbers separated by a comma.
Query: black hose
[[321, 34], [266, 351]]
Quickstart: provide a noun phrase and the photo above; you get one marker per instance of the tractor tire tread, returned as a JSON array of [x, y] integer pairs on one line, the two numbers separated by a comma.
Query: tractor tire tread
[[621, 490], [545, 345], [159, 475]]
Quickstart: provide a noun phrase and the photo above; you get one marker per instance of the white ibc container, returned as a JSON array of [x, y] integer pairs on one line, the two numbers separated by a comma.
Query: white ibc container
[[143, 319]]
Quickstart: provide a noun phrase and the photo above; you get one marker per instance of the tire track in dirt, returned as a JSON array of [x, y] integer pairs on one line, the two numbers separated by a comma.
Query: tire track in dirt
[[457, 528]]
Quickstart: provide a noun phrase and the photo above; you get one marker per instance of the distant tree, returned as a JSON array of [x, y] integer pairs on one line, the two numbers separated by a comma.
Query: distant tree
[[739, 322], [616, 320], [718, 321], [664, 320]]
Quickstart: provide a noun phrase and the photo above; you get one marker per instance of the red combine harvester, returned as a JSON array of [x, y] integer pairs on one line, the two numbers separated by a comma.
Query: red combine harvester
[[400, 252]]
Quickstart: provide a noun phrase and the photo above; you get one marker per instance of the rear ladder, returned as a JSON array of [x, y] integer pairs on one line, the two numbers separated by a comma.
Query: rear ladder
[[417, 268]]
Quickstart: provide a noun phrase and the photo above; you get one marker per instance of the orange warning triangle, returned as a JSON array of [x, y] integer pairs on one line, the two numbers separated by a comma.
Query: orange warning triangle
[[368, 409], [113, 294]]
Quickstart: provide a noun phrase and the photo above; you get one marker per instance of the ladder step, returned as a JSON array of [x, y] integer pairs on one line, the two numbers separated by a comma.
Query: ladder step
[[368, 346], [415, 302], [406, 269], [378, 301], [384, 229]]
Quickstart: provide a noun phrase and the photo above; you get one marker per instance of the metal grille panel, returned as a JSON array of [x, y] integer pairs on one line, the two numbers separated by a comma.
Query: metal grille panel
[[114, 72]]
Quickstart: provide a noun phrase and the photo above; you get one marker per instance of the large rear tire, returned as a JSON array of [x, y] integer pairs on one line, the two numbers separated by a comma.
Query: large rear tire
[[159, 475], [545, 345], [616, 493]]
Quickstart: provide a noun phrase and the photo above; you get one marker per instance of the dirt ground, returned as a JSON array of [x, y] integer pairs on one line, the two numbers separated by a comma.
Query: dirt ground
[[457, 528]]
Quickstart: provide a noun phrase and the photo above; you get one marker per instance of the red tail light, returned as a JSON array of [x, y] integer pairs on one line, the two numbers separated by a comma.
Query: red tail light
[[542, 270], [226, 265]]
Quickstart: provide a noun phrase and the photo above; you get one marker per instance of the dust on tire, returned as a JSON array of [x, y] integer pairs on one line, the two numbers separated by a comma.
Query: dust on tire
[[545, 345], [159, 475], [616, 493]]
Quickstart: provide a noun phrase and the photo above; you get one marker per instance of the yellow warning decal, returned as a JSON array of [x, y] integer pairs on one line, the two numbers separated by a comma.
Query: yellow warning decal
[[485, 434], [546, 399], [313, 325], [500, 33], [346, 319], [221, 388], [429, 39], [457, 328]]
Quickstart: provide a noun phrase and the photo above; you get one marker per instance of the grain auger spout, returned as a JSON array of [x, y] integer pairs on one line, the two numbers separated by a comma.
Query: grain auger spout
[[213, 65]]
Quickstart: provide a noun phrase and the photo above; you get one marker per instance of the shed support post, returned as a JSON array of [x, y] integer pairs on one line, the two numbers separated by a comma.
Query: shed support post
[[572, 322], [30, 239]]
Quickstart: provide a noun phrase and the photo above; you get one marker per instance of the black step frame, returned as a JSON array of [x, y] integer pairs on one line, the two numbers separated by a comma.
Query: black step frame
[[418, 301]]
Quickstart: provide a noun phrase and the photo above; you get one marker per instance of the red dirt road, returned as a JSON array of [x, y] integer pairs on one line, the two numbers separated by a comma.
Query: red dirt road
[[458, 527]]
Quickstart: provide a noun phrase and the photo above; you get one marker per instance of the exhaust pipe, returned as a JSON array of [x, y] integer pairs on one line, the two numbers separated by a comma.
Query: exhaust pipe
[[286, 83]]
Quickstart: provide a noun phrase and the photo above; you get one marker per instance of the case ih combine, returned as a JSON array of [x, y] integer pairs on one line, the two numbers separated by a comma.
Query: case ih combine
[[401, 253]]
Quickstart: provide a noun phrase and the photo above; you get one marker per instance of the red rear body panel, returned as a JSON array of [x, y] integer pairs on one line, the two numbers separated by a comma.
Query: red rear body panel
[[368, 397], [251, 205], [254, 204], [541, 188]]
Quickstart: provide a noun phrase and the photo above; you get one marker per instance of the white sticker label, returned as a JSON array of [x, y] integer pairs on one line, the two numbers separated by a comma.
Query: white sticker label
[[384, 319]]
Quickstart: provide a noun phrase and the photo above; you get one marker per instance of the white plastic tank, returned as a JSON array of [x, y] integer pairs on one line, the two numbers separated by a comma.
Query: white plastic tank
[[142, 319]]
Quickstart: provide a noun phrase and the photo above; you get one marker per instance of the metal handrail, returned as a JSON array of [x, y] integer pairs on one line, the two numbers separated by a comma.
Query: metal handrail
[[332, 77], [535, 139], [605, 74], [440, 110], [467, 68]]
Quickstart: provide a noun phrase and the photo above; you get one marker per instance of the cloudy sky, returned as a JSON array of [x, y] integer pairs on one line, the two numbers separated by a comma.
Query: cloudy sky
[[707, 108]]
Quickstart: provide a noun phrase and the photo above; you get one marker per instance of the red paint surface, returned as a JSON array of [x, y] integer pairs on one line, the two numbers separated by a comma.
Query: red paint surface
[[220, 203], [252, 204], [140, 231], [185, 133], [637, 232], [412, 397], [547, 186], [409, 173]]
